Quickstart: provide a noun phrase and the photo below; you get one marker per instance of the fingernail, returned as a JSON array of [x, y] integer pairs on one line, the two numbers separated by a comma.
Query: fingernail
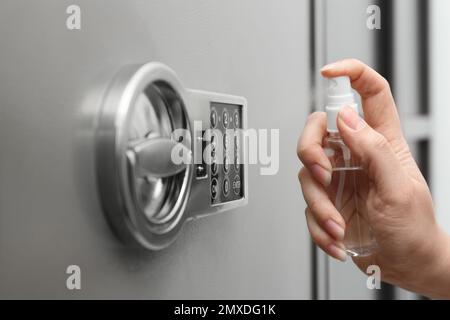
[[322, 174], [334, 229], [337, 252], [340, 245], [328, 67], [351, 118]]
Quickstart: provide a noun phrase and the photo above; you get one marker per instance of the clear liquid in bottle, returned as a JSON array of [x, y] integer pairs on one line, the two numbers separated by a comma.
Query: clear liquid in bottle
[[349, 191]]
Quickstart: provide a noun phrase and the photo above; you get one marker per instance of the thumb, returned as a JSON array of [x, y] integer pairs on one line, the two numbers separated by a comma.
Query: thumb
[[373, 150]]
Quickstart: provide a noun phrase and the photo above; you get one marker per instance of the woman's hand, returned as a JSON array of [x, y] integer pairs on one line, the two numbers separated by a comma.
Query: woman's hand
[[413, 251]]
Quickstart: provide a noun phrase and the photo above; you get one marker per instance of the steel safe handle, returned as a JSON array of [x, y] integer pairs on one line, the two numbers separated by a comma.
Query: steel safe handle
[[158, 157]]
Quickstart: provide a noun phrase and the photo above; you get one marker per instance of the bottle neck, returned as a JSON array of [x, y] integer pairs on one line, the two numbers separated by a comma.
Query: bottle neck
[[334, 135]]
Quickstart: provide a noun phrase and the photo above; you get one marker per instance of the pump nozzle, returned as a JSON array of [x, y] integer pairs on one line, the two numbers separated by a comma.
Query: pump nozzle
[[339, 94], [339, 86]]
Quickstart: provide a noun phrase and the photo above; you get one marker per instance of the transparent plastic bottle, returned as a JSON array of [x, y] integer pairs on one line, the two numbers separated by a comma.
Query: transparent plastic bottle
[[349, 186]]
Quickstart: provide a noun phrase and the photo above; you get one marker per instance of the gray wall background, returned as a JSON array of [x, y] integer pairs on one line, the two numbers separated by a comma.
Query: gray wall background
[[440, 67], [51, 84]]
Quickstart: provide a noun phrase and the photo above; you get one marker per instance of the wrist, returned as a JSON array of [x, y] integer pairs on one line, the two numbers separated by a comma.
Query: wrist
[[433, 278]]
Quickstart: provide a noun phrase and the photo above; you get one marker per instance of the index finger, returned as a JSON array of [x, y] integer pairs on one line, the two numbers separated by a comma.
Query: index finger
[[378, 103], [364, 79]]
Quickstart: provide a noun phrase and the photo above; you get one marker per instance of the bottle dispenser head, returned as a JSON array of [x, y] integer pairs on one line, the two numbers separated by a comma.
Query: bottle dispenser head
[[339, 94]]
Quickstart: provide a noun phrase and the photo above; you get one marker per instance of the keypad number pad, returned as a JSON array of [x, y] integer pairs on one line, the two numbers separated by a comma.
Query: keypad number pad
[[226, 173]]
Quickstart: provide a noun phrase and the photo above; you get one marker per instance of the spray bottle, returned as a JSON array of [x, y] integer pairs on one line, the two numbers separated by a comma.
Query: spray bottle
[[349, 186]]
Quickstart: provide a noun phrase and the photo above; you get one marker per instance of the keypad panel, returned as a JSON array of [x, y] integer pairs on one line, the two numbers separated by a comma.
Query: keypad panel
[[226, 168]]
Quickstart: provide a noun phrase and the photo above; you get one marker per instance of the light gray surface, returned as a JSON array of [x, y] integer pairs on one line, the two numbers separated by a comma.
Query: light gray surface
[[51, 84], [406, 57], [440, 111]]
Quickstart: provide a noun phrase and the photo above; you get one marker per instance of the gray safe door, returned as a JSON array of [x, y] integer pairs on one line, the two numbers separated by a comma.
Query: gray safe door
[[52, 82]]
